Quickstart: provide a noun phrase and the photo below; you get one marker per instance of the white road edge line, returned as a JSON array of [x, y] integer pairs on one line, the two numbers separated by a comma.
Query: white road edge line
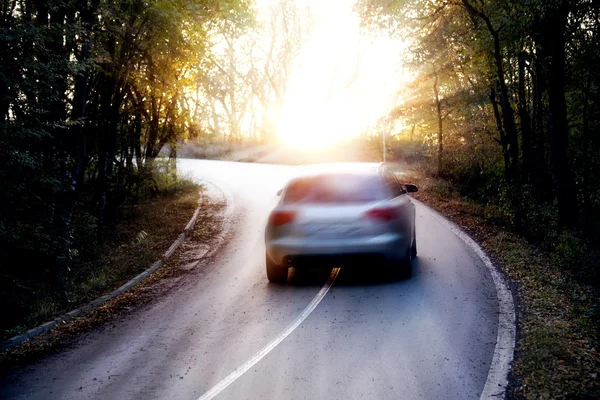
[[497, 379], [239, 371]]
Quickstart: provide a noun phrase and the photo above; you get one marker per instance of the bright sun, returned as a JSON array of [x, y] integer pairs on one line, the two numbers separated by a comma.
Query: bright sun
[[342, 82]]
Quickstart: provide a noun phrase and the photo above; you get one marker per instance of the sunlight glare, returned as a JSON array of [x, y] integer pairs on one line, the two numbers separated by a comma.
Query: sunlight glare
[[343, 81]]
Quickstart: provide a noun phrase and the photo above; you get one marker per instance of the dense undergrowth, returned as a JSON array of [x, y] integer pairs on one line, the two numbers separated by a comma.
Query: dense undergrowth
[[516, 207], [148, 219]]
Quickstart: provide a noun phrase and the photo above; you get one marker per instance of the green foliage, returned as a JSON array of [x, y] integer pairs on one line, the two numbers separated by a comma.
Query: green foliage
[[574, 253], [90, 93], [506, 99]]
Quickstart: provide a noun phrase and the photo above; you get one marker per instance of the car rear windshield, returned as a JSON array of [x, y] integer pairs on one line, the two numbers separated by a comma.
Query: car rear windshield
[[336, 188]]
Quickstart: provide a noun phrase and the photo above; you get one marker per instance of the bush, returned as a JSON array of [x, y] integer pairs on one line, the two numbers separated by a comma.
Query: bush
[[576, 255], [40, 264], [441, 189]]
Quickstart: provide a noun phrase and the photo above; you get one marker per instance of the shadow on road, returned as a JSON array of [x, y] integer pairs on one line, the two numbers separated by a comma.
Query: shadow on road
[[372, 274]]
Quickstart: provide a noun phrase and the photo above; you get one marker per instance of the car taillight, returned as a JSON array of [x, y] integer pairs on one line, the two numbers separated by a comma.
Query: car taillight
[[382, 214], [278, 218]]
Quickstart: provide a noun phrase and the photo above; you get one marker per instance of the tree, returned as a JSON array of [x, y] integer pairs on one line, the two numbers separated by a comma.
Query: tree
[[245, 78], [525, 56], [90, 92]]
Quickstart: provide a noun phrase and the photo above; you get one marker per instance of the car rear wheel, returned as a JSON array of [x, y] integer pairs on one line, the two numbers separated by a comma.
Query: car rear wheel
[[413, 248], [406, 267], [276, 273], [402, 269]]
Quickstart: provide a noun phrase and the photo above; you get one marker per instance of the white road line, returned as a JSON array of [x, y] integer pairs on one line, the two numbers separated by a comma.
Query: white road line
[[497, 379], [239, 371]]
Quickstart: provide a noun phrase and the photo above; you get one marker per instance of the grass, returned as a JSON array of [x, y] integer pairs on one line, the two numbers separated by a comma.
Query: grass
[[557, 351], [140, 238], [142, 233], [557, 355]]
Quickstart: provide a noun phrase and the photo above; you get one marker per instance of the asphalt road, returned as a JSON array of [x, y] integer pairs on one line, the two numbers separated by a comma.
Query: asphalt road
[[431, 337]]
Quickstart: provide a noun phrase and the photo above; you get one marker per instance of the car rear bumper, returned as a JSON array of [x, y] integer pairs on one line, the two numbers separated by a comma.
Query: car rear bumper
[[288, 250]]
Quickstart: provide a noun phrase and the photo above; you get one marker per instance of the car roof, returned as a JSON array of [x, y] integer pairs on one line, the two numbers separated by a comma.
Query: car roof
[[351, 168]]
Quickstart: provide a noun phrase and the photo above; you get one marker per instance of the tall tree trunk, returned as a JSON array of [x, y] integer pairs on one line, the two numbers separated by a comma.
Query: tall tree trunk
[[502, 140], [78, 139], [587, 198], [542, 179], [215, 118], [508, 114], [173, 160], [137, 141], [438, 106], [6, 65], [525, 122], [559, 130]]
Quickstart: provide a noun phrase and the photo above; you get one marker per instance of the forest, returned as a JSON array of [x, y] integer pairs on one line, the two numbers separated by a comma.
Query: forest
[[502, 102], [91, 92], [505, 97]]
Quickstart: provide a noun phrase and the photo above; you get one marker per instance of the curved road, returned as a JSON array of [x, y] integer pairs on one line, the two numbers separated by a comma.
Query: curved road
[[429, 337]]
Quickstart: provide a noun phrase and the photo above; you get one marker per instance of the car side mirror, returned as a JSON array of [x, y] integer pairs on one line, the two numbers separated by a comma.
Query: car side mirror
[[279, 192], [410, 188]]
